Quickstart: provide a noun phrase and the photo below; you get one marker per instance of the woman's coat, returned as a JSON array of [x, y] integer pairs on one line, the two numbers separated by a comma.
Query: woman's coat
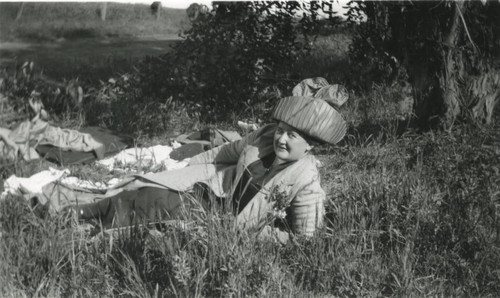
[[221, 168]]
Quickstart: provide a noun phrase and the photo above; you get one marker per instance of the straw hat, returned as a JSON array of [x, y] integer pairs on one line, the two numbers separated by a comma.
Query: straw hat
[[313, 116]]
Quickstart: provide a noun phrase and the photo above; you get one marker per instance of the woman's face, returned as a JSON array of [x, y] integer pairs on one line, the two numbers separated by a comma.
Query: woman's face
[[289, 145]]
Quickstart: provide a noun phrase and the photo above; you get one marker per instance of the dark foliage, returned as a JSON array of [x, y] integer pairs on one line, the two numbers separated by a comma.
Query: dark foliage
[[446, 50], [229, 55]]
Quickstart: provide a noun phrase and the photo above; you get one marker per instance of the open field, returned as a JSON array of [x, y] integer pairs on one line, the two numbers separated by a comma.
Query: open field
[[49, 21], [69, 40], [409, 213]]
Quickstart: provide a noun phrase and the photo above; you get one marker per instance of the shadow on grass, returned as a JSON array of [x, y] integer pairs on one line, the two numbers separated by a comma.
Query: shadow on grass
[[382, 131]]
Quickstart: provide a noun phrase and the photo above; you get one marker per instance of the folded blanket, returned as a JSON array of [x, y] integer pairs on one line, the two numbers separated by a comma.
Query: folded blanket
[[41, 133], [109, 143]]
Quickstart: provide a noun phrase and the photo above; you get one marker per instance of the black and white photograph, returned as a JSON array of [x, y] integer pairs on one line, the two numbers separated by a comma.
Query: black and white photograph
[[337, 148]]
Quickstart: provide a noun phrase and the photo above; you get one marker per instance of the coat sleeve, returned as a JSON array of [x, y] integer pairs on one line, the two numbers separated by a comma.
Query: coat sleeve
[[228, 153], [304, 216], [307, 209], [225, 154]]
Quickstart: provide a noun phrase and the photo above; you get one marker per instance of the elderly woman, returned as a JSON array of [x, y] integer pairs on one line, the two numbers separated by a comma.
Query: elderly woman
[[268, 169]]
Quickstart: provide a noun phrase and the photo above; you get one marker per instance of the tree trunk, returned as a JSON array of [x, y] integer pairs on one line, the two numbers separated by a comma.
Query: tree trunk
[[158, 12], [448, 78], [428, 106], [435, 85], [484, 95], [104, 9], [483, 111], [438, 71], [20, 11], [481, 96]]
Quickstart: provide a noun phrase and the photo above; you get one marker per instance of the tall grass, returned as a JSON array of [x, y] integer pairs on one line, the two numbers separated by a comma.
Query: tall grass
[[411, 215]]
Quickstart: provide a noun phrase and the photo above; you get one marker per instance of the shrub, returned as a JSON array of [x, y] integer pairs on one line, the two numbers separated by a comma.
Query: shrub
[[227, 57]]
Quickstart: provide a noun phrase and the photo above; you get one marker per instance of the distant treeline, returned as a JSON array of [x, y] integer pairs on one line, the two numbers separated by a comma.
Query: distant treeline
[[52, 20]]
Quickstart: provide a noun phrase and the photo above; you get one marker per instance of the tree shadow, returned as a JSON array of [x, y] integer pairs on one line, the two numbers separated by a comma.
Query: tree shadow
[[381, 130]]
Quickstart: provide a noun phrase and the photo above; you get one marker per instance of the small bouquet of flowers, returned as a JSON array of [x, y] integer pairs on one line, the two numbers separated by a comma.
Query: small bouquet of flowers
[[279, 200]]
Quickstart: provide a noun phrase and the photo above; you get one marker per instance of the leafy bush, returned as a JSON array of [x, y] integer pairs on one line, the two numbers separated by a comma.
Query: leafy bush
[[227, 57], [369, 54], [116, 104], [123, 107], [61, 99], [17, 87]]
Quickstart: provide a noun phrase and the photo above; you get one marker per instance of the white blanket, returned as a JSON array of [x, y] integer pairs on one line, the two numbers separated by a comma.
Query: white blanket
[[18, 185], [143, 159]]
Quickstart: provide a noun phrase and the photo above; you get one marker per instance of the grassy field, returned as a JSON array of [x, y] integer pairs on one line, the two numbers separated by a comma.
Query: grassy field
[[69, 40], [49, 21], [408, 214]]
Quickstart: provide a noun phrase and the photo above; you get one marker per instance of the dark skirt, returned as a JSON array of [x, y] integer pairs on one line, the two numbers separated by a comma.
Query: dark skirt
[[144, 205], [147, 205]]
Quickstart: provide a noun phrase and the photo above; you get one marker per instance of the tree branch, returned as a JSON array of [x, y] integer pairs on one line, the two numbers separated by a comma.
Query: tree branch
[[474, 46]]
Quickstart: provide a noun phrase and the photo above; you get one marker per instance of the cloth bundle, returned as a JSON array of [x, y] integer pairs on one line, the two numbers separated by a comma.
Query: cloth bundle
[[148, 158]]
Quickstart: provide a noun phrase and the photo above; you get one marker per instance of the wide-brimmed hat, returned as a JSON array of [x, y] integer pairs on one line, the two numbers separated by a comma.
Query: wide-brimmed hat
[[312, 116]]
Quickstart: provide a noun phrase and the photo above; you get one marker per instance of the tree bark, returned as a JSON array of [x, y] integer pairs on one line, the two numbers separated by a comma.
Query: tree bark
[[448, 78], [484, 95], [483, 111], [435, 85], [432, 50], [428, 105]]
